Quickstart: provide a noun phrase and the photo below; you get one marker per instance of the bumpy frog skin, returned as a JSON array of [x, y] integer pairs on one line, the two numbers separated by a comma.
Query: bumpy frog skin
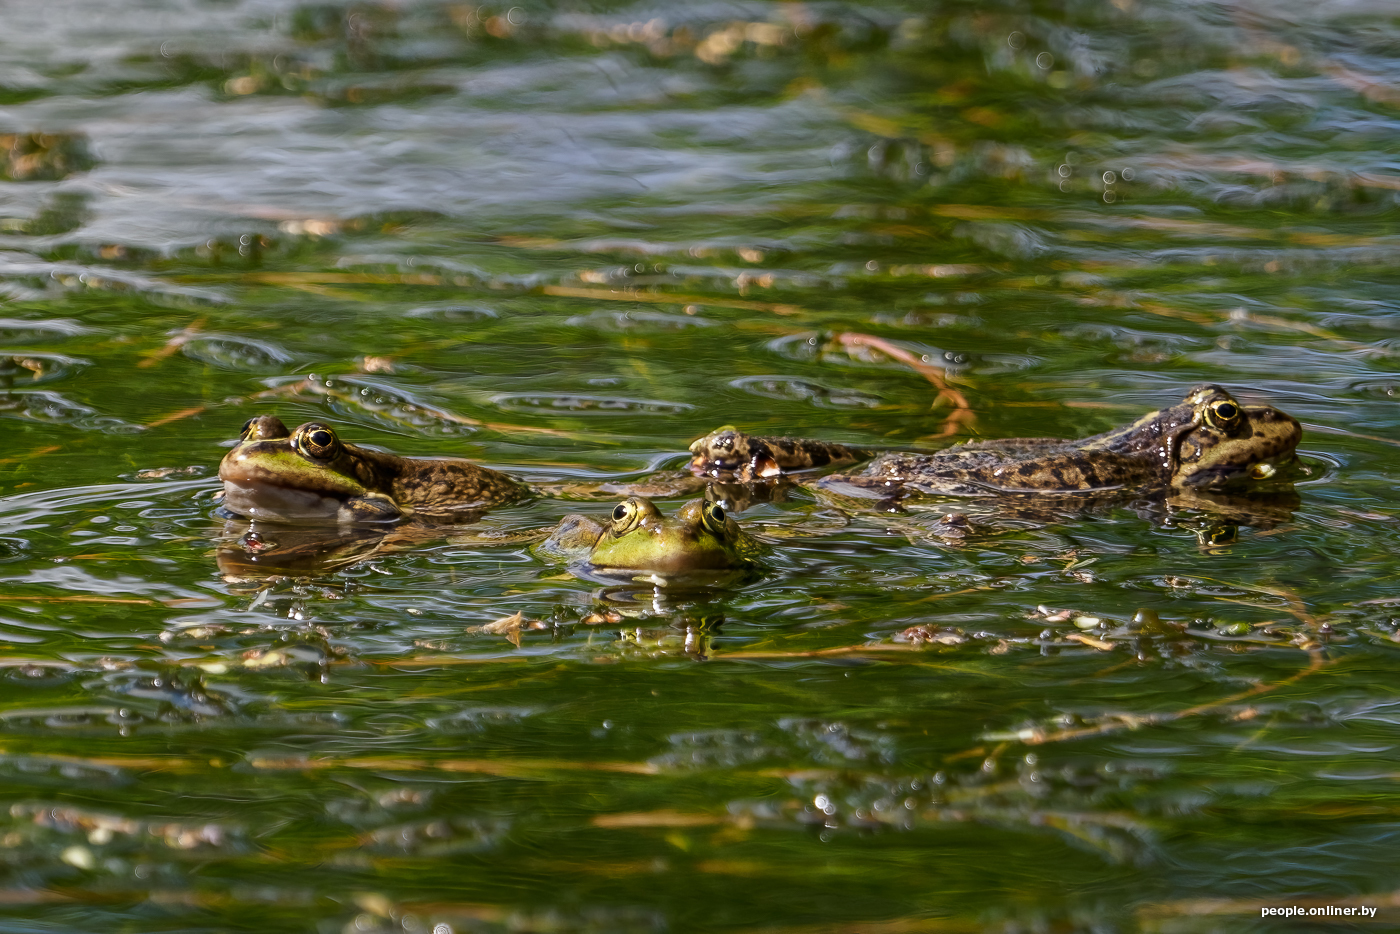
[[638, 538], [310, 476], [727, 453], [1207, 441]]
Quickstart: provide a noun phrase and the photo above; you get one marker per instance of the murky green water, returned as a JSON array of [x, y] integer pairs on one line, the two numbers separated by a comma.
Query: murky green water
[[566, 241]]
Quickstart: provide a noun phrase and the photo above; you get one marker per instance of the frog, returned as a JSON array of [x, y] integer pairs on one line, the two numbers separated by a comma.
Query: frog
[[1207, 442], [639, 543], [309, 476]]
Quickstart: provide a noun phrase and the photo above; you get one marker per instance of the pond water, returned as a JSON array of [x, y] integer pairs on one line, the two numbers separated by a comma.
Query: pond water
[[565, 241]]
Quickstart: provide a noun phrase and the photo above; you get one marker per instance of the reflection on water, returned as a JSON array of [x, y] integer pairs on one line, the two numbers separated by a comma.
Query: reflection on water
[[256, 550], [565, 242]]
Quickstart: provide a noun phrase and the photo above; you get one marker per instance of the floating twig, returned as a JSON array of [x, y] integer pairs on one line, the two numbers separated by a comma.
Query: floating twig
[[178, 340], [1037, 737], [962, 413], [665, 298], [320, 387], [506, 768], [176, 416]]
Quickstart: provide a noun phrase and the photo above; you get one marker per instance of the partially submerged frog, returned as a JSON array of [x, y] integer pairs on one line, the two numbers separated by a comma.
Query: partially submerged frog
[[640, 541], [1208, 441], [310, 476]]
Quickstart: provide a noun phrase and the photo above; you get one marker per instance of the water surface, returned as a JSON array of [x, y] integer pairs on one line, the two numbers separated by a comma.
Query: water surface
[[565, 241]]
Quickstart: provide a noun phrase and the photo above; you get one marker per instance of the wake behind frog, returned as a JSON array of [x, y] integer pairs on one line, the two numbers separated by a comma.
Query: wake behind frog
[[1208, 441]]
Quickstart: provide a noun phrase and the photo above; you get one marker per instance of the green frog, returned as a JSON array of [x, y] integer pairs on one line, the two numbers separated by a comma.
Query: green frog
[[310, 476], [702, 539], [1208, 441]]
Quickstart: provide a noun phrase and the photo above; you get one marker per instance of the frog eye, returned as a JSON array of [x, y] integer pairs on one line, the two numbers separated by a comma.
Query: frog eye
[[625, 515], [243, 432], [712, 514], [316, 441], [1223, 413]]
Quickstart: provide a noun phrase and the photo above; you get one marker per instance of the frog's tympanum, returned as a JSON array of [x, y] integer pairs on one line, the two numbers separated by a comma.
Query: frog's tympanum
[[310, 476], [639, 540], [1208, 441]]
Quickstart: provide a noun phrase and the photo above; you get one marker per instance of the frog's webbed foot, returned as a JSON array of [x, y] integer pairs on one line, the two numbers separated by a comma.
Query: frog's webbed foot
[[951, 528], [666, 484], [729, 454]]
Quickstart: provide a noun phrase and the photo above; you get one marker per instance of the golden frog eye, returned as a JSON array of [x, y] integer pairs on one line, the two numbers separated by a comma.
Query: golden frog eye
[[1222, 414], [316, 441], [243, 432], [625, 515], [712, 514]]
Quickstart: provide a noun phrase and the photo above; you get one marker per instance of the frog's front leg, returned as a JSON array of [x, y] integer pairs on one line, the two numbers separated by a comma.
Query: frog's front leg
[[370, 509], [572, 539], [729, 454]]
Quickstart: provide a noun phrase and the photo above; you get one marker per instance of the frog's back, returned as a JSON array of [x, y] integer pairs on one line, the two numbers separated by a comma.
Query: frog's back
[[1021, 466], [440, 487]]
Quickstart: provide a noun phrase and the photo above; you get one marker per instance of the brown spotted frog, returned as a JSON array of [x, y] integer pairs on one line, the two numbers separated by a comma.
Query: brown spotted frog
[[1208, 441]]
